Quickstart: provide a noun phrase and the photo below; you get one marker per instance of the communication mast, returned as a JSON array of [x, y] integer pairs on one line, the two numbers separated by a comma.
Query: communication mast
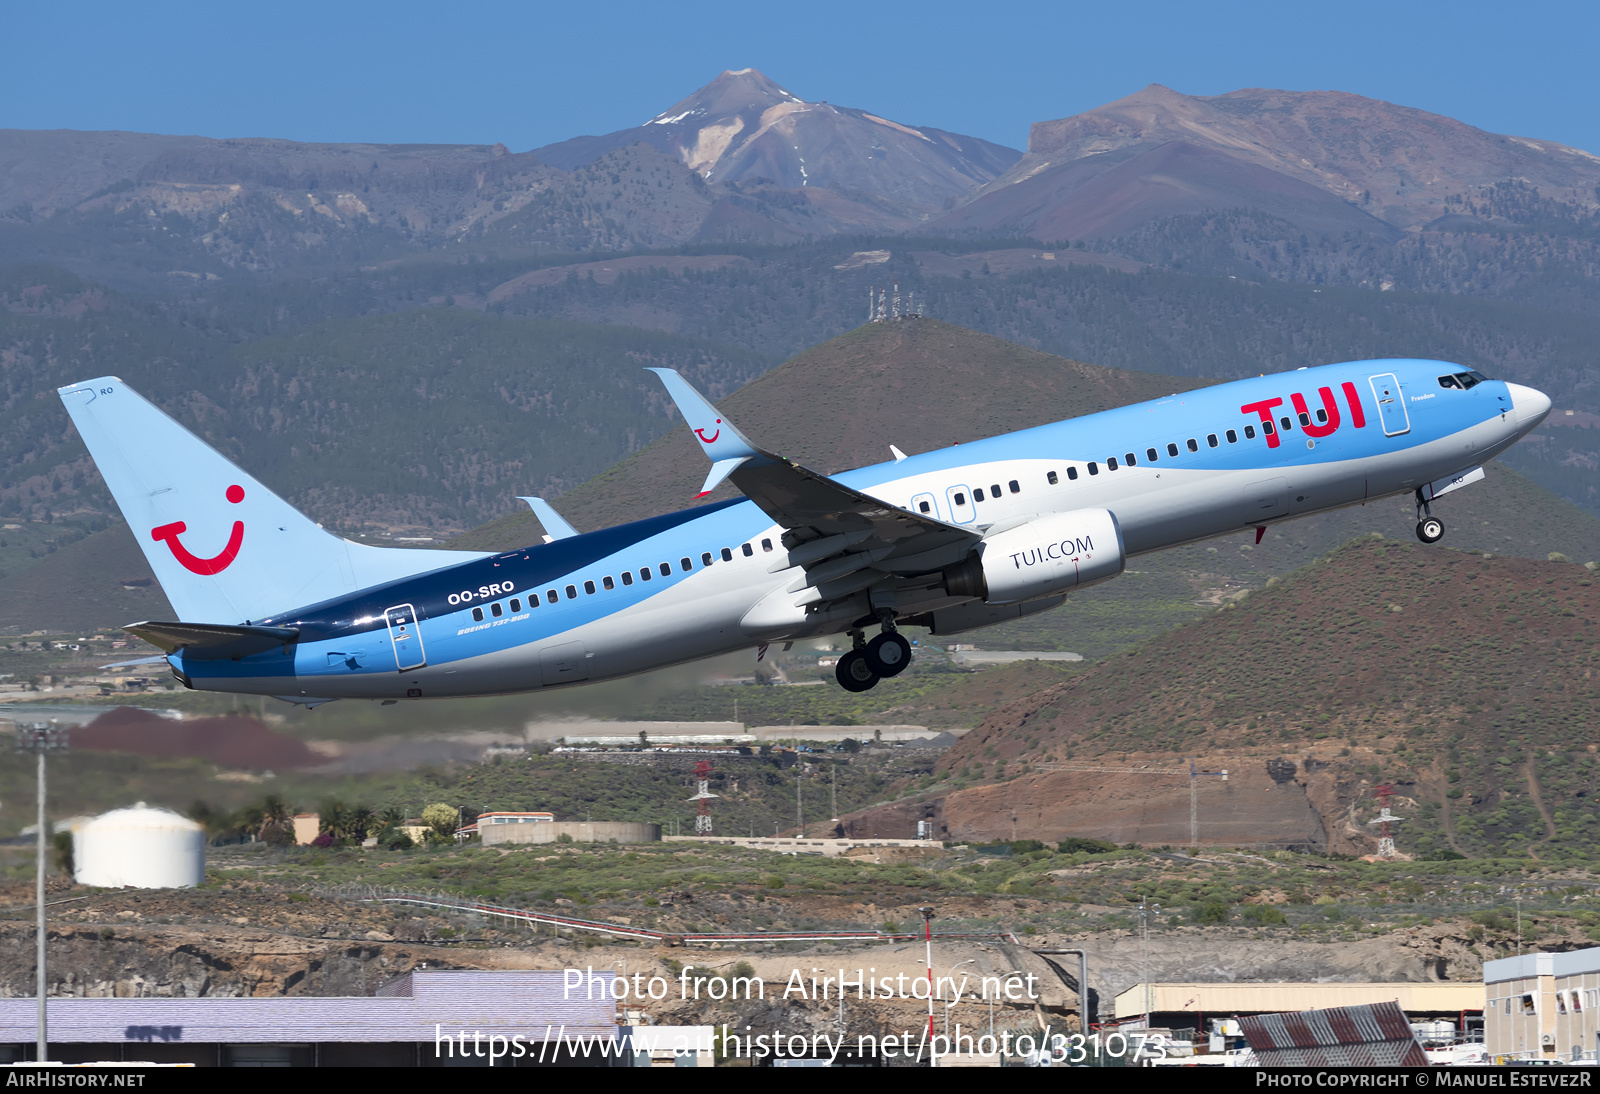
[[702, 821], [1385, 818], [896, 312]]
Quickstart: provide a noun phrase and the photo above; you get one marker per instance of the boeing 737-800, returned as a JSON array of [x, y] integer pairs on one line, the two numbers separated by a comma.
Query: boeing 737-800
[[951, 540]]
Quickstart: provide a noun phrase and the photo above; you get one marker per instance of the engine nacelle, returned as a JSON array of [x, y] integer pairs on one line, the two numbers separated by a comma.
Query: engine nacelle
[[1041, 558]]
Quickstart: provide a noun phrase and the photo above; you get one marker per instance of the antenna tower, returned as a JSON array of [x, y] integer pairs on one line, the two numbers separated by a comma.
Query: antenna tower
[[702, 821], [896, 312]]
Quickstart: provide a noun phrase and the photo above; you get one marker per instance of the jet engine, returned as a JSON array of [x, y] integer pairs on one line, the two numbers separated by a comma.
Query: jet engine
[[1041, 558]]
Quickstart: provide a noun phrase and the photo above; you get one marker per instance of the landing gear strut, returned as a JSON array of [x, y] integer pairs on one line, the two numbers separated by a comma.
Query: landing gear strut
[[868, 662], [1430, 529], [855, 671]]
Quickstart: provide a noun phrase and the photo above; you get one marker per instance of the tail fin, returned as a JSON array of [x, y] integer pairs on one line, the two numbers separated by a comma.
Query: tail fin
[[224, 547]]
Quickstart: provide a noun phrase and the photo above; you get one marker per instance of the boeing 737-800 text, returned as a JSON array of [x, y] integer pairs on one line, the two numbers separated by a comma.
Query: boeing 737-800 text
[[959, 538]]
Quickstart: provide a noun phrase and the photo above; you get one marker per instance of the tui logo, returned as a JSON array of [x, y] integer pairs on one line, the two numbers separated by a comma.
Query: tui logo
[[701, 433], [193, 563]]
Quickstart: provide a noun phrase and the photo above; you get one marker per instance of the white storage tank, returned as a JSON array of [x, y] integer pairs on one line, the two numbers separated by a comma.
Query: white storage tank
[[141, 848]]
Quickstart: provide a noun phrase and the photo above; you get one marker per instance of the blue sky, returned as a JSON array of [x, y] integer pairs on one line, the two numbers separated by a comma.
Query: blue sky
[[532, 73]]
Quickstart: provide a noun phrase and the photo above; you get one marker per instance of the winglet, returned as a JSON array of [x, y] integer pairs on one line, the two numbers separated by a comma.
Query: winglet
[[554, 527], [719, 438]]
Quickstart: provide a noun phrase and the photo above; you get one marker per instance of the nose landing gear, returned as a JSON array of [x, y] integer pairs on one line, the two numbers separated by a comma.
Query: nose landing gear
[[868, 662], [1430, 529]]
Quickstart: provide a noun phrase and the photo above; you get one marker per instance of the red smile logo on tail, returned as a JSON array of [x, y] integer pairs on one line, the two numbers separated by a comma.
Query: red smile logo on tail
[[702, 433], [204, 566]]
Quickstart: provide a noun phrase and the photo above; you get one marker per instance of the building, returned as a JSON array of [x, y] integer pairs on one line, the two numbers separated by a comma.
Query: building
[[1189, 1006], [307, 826], [1543, 1005], [505, 817], [426, 1018]]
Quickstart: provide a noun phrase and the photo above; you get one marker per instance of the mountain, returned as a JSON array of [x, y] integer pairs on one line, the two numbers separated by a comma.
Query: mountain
[[1298, 183], [1405, 169], [741, 159], [742, 127], [1465, 682]]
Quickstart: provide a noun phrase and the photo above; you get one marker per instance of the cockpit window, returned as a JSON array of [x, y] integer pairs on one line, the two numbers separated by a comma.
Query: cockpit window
[[1462, 380], [1448, 381]]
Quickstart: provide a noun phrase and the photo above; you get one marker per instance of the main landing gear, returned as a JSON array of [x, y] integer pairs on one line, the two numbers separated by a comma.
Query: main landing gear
[[1430, 529], [868, 662]]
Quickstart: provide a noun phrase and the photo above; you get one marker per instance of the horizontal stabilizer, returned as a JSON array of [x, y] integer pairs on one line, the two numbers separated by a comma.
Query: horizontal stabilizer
[[159, 659], [212, 641], [554, 526]]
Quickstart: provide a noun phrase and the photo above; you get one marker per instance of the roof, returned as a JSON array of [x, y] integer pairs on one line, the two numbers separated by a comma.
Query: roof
[[1373, 1035], [1530, 965], [1218, 999], [412, 1008]]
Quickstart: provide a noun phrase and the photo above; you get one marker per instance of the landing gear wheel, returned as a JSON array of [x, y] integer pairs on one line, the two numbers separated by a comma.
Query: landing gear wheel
[[1430, 529], [854, 672], [888, 654]]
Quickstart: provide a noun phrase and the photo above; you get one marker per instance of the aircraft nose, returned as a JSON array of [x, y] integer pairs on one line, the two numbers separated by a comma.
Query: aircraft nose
[[1531, 406]]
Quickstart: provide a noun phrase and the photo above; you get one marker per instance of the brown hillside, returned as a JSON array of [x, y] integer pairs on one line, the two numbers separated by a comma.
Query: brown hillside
[[920, 384], [1435, 670]]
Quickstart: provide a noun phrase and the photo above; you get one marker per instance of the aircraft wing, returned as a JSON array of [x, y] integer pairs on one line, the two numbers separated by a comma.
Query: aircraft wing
[[817, 511]]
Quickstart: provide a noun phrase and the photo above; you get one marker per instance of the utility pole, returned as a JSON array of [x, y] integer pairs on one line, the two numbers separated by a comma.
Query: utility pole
[[799, 808], [40, 738], [927, 935], [1146, 910]]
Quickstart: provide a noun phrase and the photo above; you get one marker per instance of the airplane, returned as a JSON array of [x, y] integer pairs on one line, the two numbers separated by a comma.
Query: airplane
[[951, 540]]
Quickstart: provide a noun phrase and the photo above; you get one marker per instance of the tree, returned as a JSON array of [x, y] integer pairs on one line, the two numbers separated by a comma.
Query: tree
[[441, 818]]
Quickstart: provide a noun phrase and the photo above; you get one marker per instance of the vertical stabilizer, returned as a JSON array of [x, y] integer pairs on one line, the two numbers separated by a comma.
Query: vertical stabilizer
[[224, 547]]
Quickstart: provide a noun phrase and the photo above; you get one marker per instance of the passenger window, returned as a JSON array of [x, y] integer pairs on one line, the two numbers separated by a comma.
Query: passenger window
[[686, 564], [1129, 460], [727, 555], [477, 615], [627, 577], [1322, 415], [747, 549], [607, 584], [666, 569], [923, 506], [1111, 463], [1051, 478], [705, 558], [994, 491], [1286, 423], [1250, 432], [516, 605], [1211, 440], [1093, 468], [496, 610], [1193, 446], [961, 499], [645, 574], [588, 587], [1266, 427], [766, 545], [977, 495], [1150, 454], [1305, 419], [1172, 450], [1072, 472], [551, 595], [572, 592], [1233, 438], [1016, 487]]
